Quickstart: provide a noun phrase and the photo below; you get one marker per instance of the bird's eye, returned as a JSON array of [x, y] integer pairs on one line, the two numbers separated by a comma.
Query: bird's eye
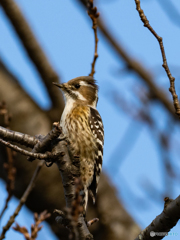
[[77, 85]]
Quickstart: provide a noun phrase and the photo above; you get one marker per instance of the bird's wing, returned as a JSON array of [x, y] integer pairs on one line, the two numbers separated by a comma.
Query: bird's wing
[[97, 128]]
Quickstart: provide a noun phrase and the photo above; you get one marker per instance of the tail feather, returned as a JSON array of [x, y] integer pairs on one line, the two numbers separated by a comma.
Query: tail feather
[[84, 194]]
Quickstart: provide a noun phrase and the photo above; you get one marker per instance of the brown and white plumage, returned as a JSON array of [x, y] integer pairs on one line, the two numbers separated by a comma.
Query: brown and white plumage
[[83, 127]]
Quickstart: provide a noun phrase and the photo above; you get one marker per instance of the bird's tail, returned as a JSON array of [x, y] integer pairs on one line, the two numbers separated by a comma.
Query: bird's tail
[[84, 194]]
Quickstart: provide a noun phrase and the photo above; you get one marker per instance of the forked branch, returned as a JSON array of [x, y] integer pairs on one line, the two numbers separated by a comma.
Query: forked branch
[[69, 169], [35, 228], [165, 65], [22, 201]]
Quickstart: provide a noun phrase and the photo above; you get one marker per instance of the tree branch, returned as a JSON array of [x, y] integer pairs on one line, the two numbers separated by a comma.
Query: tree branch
[[23, 139], [39, 156], [165, 65], [22, 200], [35, 228], [134, 65], [45, 142], [68, 167], [34, 51], [93, 14], [163, 222]]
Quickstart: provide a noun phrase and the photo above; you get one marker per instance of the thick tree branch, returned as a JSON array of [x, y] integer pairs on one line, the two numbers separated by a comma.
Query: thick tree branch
[[23, 139], [38, 200], [15, 80], [163, 222], [69, 169], [34, 51], [46, 141]]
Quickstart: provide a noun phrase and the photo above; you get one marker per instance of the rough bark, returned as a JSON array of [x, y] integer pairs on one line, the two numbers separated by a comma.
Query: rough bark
[[27, 117]]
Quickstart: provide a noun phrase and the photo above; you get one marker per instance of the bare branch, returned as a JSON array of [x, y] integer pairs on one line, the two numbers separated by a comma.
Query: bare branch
[[92, 12], [134, 65], [23, 139], [39, 156], [34, 51], [35, 228], [46, 141], [165, 65], [69, 218], [27, 140], [22, 230], [163, 222], [69, 169], [38, 219], [22, 200]]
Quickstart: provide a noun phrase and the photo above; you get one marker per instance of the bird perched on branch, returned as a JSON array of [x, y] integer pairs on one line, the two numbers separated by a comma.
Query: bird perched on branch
[[83, 127]]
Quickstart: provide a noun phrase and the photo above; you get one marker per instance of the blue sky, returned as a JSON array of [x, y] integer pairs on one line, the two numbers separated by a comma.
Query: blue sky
[[64, 31]]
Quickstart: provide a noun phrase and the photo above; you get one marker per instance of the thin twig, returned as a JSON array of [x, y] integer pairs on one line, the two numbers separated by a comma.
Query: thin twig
[[39, 156], [92, 221], [165, 65], [92, 12], [35, 228], [133, 64], [22, 200]]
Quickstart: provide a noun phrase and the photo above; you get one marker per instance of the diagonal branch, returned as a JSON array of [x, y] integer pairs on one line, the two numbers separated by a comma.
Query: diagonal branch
[[165, 65], [34, 51], [134, 65], [163, 222], [45, 142], [22, 200]]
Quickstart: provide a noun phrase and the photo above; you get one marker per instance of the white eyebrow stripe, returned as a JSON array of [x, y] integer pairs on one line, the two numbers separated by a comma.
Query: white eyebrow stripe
[[82, 83]]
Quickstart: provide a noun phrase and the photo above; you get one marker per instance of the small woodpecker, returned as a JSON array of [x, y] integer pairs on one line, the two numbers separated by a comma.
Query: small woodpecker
[[82, 125]]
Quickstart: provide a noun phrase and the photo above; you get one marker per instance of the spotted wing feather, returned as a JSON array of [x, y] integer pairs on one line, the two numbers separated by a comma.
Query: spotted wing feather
[[96, 126]]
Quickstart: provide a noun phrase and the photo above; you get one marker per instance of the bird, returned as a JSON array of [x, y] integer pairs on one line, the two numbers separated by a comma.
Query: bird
[[82, 125]]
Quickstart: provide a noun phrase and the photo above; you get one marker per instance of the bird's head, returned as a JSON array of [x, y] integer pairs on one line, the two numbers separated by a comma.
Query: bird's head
[[81, 89]]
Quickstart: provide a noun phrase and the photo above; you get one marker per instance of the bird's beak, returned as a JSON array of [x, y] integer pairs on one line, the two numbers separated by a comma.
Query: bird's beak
[[58, 85]]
